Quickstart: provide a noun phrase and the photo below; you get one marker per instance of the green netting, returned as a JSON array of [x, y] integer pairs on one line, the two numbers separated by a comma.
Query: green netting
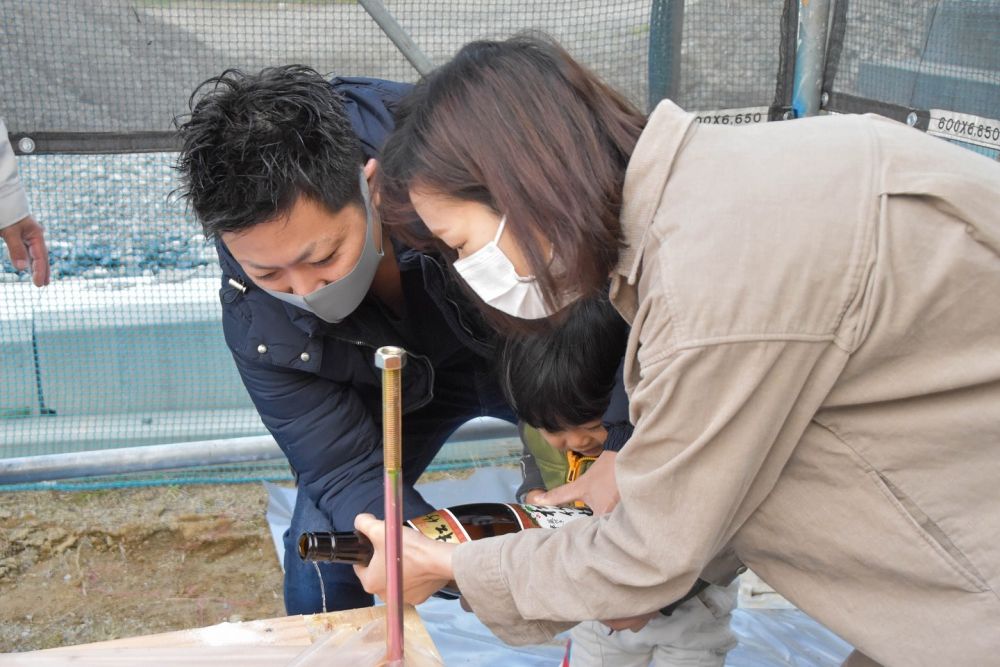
[[270, 471], [125, 347], [235, 474]]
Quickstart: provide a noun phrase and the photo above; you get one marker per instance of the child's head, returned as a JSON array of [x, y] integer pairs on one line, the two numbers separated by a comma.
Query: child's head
[[560, 381]]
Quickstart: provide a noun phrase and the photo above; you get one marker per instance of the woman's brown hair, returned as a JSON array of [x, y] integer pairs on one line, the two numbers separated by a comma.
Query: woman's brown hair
[[521, 127]]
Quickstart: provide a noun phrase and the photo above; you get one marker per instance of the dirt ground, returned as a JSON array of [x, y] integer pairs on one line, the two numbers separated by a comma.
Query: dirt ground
[[88, 566]]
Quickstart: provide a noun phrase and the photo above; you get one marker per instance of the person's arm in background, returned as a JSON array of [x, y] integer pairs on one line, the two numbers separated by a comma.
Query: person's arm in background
[[23, 235]]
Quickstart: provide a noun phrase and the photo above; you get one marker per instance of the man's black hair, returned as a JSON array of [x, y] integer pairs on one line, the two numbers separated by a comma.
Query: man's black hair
[[254, 143], [563, 378]]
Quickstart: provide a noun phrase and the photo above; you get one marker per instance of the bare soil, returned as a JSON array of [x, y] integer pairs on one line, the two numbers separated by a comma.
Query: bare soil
[[87, 566]]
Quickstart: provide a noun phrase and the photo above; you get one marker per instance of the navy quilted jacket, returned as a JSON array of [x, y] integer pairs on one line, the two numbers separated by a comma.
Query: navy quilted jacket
[[315, 384]]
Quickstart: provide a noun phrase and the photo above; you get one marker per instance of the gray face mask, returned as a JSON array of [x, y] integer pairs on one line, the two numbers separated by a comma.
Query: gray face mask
[[333, 302]]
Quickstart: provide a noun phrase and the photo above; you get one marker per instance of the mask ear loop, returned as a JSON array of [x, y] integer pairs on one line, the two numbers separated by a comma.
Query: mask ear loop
[[503, 223], [496, 239]]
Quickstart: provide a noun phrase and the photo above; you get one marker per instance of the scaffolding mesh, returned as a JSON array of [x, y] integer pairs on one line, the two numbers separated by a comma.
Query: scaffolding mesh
[[729, 55], [932, 63], [125, 347], [129, 66]]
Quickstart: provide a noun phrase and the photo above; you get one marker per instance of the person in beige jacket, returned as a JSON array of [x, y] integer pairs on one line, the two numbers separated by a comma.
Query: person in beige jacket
[[813, 366], [21, 233]]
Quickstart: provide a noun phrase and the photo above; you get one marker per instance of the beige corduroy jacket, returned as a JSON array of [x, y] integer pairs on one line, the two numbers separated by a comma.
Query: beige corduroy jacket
[[13, 201], [814, 374]]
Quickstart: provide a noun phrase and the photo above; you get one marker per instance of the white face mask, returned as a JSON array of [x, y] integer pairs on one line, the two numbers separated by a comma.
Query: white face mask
[[491, 275], [333, 302]]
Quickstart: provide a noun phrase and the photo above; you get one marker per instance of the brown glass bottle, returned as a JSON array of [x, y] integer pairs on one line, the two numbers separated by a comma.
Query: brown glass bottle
[[457, 524], [336, 547]]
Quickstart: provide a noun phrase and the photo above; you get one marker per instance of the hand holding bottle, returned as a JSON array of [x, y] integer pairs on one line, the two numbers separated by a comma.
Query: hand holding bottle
[[447, 526], [426, 563]]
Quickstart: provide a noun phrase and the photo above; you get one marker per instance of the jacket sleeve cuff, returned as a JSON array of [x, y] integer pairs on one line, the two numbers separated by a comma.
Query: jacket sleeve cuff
[[13, 200], [13, 205], [618, 435], [477, 572]]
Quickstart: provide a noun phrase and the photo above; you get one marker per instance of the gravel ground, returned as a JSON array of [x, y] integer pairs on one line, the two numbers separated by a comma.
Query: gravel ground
[[112, 215]]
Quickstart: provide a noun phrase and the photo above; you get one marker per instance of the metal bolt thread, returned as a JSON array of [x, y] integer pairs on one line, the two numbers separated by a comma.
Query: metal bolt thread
[[391, 360], [392, 411]]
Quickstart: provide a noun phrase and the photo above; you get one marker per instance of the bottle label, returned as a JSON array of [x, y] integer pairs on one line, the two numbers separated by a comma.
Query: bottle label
[[545, 516], [443, 526]]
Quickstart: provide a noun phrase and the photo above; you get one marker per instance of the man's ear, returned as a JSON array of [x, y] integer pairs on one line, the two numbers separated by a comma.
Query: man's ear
[[369, 171]]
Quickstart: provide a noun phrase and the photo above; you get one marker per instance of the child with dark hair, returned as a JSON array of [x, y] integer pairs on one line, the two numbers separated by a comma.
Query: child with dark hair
[[567, 390], [563, 383]]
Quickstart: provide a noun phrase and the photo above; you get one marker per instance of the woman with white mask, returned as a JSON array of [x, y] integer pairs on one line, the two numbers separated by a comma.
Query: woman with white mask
[[813, 364]]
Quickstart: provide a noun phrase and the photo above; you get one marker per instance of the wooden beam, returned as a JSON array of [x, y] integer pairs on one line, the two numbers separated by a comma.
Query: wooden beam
[[264, 643]]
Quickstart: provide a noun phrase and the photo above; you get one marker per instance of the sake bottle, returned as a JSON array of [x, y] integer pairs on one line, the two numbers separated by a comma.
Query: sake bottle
[[457, 524]]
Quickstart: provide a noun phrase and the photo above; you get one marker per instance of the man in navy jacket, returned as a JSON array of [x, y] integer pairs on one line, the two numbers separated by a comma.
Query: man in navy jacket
[[276, 166]]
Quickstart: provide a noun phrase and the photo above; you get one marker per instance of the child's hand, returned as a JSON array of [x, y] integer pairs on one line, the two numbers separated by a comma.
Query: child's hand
[[596, 487], [633, 623], [533, 497]]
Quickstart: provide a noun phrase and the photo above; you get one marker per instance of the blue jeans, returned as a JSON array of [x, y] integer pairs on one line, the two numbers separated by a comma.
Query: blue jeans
[[424, 432]]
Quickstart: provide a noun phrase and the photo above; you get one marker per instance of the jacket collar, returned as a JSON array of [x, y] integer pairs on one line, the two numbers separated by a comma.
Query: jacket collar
[[666, 130], [230, 267]]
